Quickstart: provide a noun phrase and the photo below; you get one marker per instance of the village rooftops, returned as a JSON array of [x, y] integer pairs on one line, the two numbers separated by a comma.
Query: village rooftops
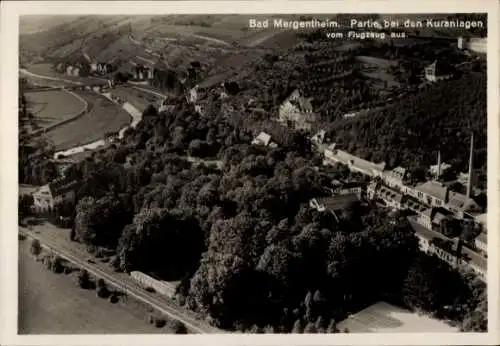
[[434, 189], [466, 254], [386, 192], [264, 139], [425, 232], [304, 104]]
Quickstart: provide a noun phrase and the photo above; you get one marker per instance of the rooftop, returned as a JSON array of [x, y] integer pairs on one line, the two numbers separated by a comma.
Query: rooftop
[[357, 162], [390, 193], [338, 202], [467, 255], [433, 188], [460, 202], [262, 138]]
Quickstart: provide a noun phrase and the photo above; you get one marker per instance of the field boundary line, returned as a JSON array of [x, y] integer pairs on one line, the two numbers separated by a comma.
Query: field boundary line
[[65, 121]]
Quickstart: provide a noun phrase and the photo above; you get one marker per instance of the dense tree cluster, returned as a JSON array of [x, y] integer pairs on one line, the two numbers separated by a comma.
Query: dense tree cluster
[[250, 254]]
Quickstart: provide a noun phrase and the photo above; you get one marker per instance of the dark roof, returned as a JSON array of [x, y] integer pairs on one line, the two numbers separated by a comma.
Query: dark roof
[[425, 232], [338, 202], [467, 255], [460, 202], [472, 257], [387, 192], [62, 186]]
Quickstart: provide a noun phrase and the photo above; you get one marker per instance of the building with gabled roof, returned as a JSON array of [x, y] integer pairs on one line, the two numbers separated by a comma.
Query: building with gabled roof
[[297, 110], [449, 250], [334, 203], [432, 192], [438, 70], [265, 140], [390, 197], [353, 162], [48, 196]]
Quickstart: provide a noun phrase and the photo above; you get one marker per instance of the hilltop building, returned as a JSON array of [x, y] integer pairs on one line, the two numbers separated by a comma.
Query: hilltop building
[[297, 111], [265, 140]]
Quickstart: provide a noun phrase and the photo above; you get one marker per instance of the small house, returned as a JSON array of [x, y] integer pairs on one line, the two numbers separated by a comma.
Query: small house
[[264, 139]]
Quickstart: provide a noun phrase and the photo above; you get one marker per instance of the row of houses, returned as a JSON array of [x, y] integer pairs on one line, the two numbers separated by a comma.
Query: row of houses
[[84, 68], [433, 205]]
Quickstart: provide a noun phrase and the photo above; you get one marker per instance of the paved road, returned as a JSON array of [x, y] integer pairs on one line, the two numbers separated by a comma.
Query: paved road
[[126, 284], [28, 73]]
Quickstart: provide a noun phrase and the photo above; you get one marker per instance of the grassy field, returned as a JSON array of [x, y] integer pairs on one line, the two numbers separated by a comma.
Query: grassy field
[[52, 303], [50, 107], [104, 116]]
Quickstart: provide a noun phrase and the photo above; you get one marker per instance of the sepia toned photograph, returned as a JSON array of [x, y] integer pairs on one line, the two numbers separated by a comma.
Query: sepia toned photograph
[[306, 173]]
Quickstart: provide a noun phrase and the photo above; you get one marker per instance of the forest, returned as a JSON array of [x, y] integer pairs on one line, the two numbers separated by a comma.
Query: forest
[[248, 251]]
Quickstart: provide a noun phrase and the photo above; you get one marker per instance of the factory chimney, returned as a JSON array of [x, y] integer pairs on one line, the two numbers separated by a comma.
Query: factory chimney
[[469, 178]]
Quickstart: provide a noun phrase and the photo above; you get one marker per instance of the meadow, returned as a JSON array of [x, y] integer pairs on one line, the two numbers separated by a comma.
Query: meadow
[[103, 116], [53, 106], [52, 303]]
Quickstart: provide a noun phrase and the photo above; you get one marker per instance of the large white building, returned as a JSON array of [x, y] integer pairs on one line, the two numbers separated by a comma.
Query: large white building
[[297, 110]]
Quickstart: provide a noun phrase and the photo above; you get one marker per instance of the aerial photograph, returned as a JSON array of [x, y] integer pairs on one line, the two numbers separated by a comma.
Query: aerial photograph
[[230, 173]]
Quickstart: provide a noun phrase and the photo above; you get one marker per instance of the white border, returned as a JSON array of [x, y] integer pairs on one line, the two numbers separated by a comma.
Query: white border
[[8, 172]]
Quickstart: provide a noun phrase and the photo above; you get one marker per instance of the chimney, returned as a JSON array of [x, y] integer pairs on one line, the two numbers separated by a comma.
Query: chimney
[[438, 166], [469, 178]]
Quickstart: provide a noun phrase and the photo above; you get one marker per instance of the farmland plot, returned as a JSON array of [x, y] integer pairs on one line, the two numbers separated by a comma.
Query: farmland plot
[[50, 107], [104, 116]]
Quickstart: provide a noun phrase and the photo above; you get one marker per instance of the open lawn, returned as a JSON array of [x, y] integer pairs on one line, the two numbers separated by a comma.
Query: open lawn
[[385, 318], [104, 116], [52, 303], [53, 106]]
